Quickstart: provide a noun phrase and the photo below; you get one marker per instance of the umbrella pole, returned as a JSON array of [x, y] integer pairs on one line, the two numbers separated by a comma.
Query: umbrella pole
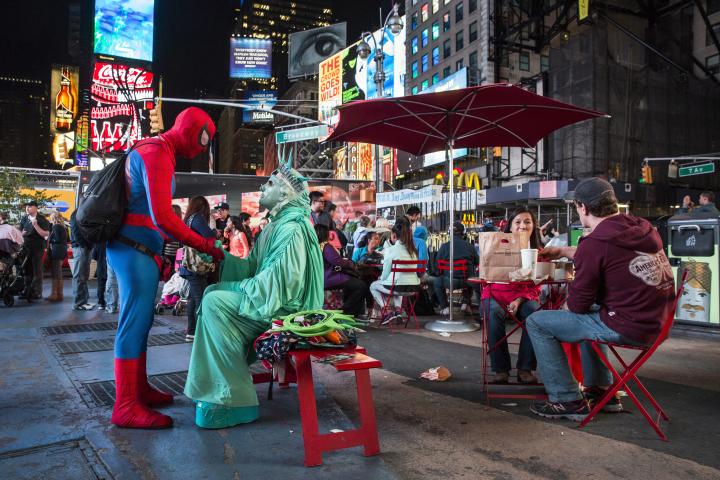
[[451, 325]]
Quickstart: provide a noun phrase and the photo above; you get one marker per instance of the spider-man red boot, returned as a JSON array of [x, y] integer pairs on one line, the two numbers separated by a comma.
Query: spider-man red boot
[[129, 410], [149, 395]]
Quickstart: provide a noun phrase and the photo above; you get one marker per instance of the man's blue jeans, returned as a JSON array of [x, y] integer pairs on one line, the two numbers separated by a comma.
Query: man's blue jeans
[[500, 357], [111, 288], [547, 328]]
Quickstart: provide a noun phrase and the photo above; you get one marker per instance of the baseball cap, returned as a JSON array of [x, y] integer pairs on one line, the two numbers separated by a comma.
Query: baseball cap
[[458, 227], [222, 206], [591, 191], [31, 203]]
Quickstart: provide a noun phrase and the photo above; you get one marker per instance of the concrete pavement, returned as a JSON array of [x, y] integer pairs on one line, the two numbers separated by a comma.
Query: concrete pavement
[[54, 414]]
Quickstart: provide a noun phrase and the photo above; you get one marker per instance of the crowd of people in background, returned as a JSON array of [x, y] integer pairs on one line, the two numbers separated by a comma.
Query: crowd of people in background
[[358, 253]]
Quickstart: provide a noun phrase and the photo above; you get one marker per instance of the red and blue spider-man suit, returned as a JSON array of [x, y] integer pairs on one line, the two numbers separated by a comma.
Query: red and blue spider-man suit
[[150, 177]]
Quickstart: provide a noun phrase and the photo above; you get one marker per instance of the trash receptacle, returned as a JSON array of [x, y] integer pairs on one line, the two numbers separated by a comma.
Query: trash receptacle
[[693, 246]]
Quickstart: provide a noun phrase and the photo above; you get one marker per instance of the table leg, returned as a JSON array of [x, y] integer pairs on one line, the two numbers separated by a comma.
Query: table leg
[[368, 423], [308, 411]]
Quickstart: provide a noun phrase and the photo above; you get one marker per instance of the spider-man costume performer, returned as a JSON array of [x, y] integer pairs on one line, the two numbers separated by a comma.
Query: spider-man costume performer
[[150, 177]]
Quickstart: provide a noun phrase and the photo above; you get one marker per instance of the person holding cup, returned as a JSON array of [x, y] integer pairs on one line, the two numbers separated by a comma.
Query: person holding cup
[[521, 300]]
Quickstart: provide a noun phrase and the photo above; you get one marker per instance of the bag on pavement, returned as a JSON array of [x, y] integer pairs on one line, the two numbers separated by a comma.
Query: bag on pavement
[[500, 254]]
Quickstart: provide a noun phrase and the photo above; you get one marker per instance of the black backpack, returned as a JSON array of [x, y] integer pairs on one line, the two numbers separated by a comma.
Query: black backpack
[[100, 215]]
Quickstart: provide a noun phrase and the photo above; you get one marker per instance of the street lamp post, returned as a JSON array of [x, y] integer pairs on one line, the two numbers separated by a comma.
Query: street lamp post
[[395, 24]]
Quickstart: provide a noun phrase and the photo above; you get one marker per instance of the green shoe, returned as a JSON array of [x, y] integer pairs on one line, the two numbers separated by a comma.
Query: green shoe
[[212, 415]]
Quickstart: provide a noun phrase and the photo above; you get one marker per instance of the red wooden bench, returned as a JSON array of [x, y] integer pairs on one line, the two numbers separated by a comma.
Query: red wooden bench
[[315, 442]]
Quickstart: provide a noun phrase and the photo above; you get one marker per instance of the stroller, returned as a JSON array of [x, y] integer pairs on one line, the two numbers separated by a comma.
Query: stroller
[[175, 293], [12, 266]]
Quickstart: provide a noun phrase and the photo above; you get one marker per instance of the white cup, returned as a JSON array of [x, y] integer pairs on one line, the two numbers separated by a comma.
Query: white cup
[[528, 257]]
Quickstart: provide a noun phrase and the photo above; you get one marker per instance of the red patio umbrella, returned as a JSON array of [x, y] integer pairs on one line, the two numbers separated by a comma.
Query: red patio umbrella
[[484, 116]]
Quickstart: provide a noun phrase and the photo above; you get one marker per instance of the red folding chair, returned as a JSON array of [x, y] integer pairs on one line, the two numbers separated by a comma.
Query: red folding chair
[[630, 371], [408, 297], [460, 268]]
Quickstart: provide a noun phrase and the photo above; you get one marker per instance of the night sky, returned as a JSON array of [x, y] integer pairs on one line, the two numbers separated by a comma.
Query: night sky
[[191, 40]]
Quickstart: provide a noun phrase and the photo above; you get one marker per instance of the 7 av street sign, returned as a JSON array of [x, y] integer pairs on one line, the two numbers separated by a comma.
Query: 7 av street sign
[[696, 169]]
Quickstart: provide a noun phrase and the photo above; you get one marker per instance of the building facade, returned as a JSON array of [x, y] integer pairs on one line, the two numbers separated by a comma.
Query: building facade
[[24, 123], [274, 20], [652, 66]]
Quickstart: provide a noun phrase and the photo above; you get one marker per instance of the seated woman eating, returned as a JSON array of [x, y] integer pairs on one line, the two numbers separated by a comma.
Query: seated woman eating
[[354, 289], [521, 300]]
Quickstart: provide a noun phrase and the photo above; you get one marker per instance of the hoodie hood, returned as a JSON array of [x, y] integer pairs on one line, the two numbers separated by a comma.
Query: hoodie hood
[[631, 233], [191, 134], [420, 233]]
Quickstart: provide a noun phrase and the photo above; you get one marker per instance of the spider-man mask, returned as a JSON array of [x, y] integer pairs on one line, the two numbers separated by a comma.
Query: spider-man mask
[[192, 132]]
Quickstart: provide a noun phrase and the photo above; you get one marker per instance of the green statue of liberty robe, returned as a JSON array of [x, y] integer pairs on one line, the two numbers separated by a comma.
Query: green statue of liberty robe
[[283, 274]]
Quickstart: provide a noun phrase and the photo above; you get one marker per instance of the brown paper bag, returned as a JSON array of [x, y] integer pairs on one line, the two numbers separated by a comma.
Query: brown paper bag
[[500, 254]]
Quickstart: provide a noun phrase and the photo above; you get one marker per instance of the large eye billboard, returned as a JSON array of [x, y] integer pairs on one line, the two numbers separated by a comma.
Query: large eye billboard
[[310, 47], [124, 28], [250, 58]]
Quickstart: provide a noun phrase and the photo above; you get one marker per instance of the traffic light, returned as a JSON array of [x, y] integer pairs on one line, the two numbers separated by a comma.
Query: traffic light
[[646, 174], [156, 121]]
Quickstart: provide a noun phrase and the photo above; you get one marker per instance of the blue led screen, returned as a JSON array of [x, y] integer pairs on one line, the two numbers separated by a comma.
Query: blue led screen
[[124, 28], [250, 58]]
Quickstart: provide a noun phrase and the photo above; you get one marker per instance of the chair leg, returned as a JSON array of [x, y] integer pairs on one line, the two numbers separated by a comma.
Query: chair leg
[[622, 381]]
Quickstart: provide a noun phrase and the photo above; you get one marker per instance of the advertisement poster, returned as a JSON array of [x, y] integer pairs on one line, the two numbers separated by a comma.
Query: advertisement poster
[[348, 197], [394, 64], [694, 304], [354, 162], [250, 58], [124, 28], [64, 82], [261, 99], [354, 75], [121, 98], [212, 200], [310, 47], [330, 90], [82, 139]]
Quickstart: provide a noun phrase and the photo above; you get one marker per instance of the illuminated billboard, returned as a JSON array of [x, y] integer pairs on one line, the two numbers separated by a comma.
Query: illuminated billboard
[[310, 47], [250, 58], [261, 99], [354, 75], [329, 90], [393, 47], [63, 111], [121, 98], [355, 162], [124, 28]]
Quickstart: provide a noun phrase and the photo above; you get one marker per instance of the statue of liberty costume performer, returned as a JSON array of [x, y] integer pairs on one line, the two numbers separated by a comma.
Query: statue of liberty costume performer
[[283, 274]]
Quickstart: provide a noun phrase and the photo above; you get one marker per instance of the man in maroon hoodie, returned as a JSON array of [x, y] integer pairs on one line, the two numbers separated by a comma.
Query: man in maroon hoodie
[[622, 291]]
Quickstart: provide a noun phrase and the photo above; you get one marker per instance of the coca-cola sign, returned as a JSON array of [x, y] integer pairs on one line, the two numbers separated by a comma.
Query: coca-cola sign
[[113, 74], [121, 96]]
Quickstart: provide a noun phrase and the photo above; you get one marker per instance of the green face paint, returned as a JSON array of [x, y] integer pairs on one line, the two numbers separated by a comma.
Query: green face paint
[[273, 192]]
